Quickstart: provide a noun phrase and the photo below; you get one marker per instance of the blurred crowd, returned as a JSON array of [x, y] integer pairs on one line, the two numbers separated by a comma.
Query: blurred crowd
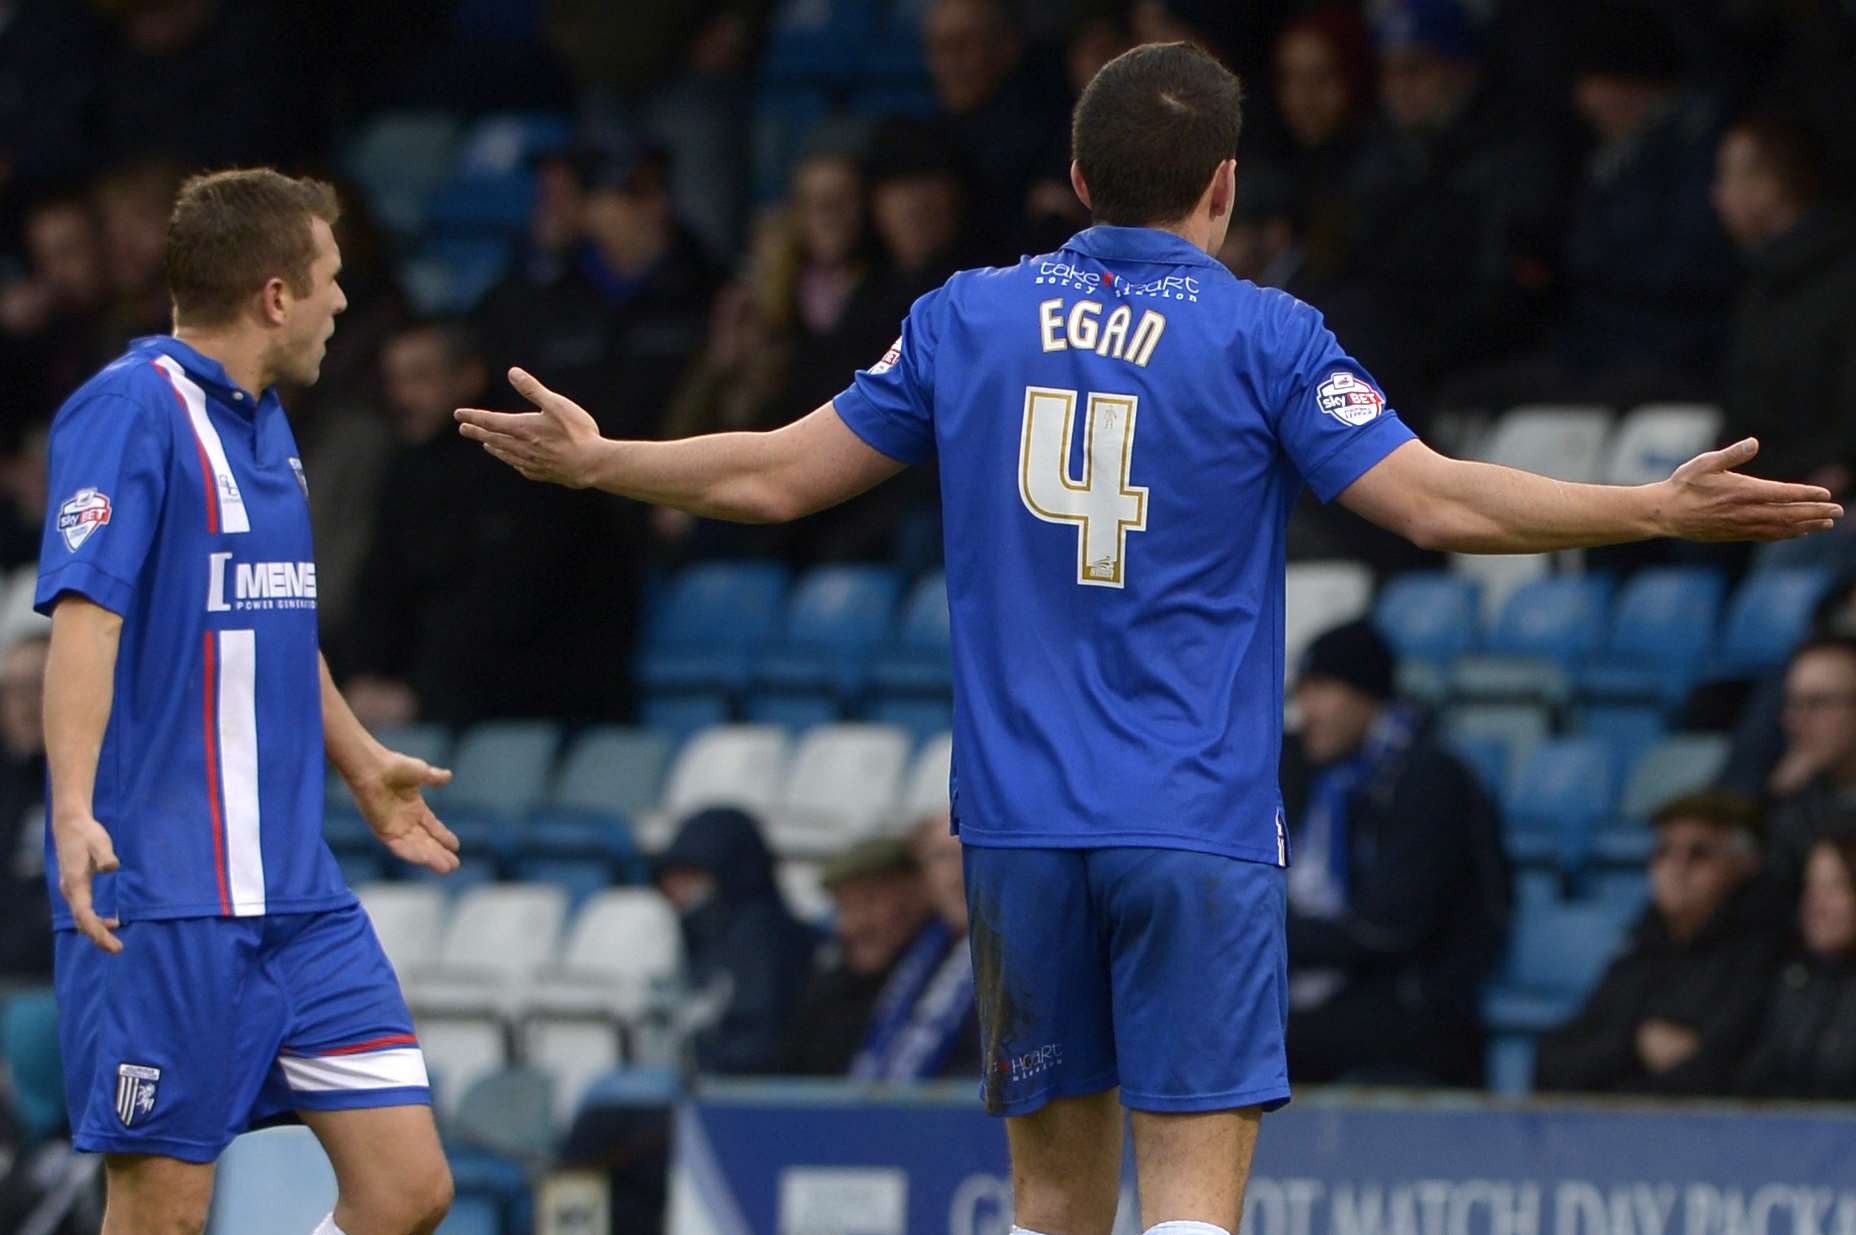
[[1493, 203]]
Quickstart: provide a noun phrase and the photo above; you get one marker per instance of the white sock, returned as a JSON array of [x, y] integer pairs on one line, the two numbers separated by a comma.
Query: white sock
[[1186, 1228], [1023, 1230], [328, 1227]]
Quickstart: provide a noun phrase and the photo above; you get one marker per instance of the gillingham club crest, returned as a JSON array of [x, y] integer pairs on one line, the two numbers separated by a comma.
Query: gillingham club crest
[[135, 1092], [81, 515]]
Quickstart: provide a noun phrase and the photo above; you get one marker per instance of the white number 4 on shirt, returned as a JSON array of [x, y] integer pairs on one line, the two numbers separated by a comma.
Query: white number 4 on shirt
[[1103, 505]]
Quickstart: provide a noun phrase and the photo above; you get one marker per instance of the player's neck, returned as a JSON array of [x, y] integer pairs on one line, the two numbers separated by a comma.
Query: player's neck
[[1195, 230], [241, 355]]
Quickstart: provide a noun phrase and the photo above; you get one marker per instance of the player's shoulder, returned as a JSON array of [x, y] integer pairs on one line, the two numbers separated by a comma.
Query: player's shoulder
[[126, 392]]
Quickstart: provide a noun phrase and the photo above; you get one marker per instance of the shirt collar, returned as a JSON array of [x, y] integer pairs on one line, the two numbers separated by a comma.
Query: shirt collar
[[1139, 244], [203, 369]]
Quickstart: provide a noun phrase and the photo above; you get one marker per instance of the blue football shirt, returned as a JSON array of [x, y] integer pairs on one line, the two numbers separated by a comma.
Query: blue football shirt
[[179, 503], [1122, 427]]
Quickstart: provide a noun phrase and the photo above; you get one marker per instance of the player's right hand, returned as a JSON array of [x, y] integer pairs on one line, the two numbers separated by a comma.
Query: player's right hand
[[1707, 500], [84, 852]]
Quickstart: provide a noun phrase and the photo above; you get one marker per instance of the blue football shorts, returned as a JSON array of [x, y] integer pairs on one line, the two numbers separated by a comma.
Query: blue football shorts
[[1162, 971], [203, 1028]]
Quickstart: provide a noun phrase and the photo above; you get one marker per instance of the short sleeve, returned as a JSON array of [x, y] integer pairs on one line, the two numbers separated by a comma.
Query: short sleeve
[[1331, 417], [890, 405], [108, 475]]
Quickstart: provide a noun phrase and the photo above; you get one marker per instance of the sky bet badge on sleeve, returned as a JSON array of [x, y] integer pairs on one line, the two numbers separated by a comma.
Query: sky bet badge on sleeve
[[85, 512], [135, 1092], [1349, 398]]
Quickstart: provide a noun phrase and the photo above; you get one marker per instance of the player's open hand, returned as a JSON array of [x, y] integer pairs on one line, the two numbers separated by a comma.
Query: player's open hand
[[553, 444], [84, 852], [392, 800], [1708, 500]]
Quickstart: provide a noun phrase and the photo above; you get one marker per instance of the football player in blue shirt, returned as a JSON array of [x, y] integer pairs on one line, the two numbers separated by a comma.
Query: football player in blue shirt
[[213, 971], [1121, 428]]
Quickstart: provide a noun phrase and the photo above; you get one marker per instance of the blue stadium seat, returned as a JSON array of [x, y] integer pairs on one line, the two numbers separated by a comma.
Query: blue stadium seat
[[1487, 757], [919, 658], [1625, 893], [836, 616], [1510, 1063], [558, 834], [473, 1215], [487, 847], [1767, 617], [449, 274], [582, 878], [492, 1192], [1678, 764], [29, 1033], [680, 714], [362, 868], [275, 1180], [613, 769], [505, 142], [1557, 955], [431, 743], [1430, 616], [922, 715], [793, 710], [816, 44], [1561, 795], [631, 1087], [1626, 729], [345, 830], [1658, 638], [1547, 628], [1517, 727], [501, 767], [473, 205], [708, 628]]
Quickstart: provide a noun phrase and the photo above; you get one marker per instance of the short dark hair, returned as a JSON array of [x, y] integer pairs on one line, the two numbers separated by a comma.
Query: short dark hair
[[1792, 152], [1723, 808], [231, 232], [458, 336], [1150, 130]]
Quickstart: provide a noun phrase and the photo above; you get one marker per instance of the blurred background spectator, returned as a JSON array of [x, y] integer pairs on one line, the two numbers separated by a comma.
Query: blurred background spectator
[[1805, 1047], [25, 919], [1814, 784], [1398, 895], [741, 945], [1676, 1011]]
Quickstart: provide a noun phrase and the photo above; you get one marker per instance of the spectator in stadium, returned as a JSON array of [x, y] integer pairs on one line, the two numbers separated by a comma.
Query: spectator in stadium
[[1051, 205], [133, 202], [1646, 266], [1263, 243], [49, 61], [1325, 91], [461, 560], [51, 335], [740, 943], [1398, 896], [1790, 368], [1807, 1045], [1450, 190], [992, 109], [1813, 787], [1676, 1011], [628, 314], [938, 1032], [889, 944], [918, 211], [25, 918]]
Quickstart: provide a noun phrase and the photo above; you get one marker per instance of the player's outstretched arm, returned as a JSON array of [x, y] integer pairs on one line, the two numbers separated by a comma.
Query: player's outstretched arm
[[771, 477], [388, 787], [80, 686], [1463, 507]]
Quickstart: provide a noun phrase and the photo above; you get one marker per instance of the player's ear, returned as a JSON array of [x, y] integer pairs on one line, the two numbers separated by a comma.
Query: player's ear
[[274, 301], [1077, 183], [1224, 188]]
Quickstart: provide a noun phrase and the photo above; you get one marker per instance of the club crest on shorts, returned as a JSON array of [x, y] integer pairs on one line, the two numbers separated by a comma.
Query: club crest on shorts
[[82, 514], [135, 1092], [302, 481]]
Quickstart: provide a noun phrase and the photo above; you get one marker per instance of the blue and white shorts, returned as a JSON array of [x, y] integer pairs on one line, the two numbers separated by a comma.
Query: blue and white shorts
[[203, 1028], [1162, 971]]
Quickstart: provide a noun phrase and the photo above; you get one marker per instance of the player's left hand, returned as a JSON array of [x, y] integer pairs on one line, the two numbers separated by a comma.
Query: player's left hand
[[392, 800], [551, 445]]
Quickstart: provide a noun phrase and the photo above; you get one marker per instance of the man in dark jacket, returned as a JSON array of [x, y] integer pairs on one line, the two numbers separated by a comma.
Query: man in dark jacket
[[740, 942], [1398, 895], [1676, 1012], [1791, 354], [1806, 1048]]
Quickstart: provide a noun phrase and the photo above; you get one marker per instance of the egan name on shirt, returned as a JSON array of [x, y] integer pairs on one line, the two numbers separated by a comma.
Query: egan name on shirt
[[1113, 333]]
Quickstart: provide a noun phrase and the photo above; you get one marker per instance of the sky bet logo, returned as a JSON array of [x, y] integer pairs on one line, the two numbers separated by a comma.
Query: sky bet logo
[[259, 585]]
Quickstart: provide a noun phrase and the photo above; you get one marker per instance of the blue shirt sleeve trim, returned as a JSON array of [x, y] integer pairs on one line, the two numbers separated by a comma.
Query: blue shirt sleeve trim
[[1357, 455], [878, 430], [87, 580]]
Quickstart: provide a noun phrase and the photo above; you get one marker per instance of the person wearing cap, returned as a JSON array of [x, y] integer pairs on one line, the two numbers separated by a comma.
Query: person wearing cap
[[1677, 1011], [889, 944], [739, 939], [1398, 888]]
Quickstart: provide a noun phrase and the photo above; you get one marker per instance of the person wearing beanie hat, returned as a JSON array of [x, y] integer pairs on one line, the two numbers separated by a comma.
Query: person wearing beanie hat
[[1398, 893]]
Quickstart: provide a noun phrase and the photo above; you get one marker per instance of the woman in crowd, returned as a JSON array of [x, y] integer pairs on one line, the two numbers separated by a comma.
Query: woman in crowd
[[1807, 1048]]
